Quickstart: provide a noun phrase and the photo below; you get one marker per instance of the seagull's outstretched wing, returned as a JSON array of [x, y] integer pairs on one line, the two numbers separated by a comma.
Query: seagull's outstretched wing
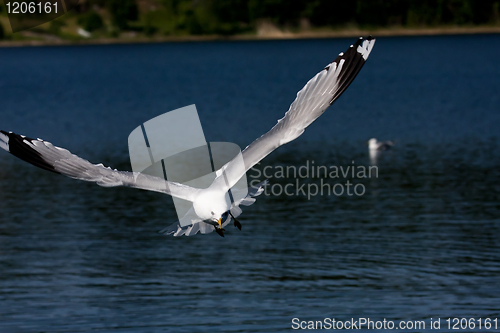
[[316, 96], [46, 156]]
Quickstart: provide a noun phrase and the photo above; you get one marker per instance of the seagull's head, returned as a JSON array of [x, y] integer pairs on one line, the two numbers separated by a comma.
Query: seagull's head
[[219, 218], [218, 213]]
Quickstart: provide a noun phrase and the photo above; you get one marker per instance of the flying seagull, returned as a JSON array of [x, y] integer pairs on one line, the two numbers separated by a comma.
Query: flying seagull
[[210, 211]]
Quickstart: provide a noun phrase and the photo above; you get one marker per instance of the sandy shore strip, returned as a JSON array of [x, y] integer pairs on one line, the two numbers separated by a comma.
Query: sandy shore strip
[[42, 39]]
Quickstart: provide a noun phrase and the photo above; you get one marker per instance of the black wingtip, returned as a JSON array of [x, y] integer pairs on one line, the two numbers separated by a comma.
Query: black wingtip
[[19, 147], [358, 42], [355, 57]]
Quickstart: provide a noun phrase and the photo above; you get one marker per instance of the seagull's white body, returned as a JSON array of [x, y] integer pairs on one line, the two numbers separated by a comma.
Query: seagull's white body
[[208, 201], [210, 205]]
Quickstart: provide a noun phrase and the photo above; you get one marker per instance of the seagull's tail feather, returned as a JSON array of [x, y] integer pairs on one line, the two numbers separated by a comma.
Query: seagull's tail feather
[[192, 225], [173, 228], [253, 192], [176, 230], [257, 190], [193, 229]]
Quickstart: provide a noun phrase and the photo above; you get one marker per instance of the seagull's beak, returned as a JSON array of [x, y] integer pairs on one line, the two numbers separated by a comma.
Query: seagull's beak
[[220, 223]]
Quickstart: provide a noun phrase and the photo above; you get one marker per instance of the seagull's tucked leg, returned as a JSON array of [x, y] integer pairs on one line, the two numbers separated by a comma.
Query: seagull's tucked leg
[[237, 224]]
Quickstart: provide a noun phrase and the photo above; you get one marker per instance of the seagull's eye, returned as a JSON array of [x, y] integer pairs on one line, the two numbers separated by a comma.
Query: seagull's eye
[[212, 213]]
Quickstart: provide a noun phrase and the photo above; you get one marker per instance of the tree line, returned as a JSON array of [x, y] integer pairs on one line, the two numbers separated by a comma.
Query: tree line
[[234, 16], [227, 17]]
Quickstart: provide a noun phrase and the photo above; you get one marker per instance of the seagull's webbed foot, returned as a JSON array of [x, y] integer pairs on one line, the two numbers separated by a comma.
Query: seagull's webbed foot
[[236, 223]]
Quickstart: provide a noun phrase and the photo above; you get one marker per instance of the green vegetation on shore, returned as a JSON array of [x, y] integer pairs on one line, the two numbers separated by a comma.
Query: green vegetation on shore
[[143, 19]]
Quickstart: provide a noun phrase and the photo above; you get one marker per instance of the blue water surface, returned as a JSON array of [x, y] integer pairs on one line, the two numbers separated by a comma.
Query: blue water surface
[[420, 243]]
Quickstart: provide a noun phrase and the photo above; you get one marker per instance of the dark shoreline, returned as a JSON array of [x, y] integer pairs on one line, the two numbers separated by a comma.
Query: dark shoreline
[[380, 32]]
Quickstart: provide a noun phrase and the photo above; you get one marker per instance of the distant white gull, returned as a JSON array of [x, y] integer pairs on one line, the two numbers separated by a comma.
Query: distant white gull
[[377, 148], [374, 144], [211, 211]]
